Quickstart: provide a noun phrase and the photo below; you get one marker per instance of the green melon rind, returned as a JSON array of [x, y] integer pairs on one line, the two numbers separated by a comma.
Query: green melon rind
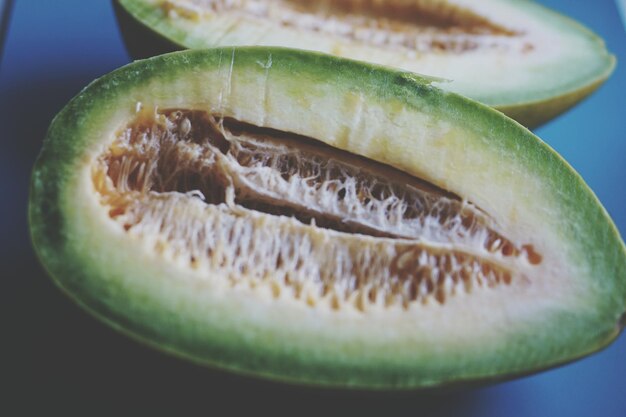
[[130, 305], [531, 111], [537, 112]]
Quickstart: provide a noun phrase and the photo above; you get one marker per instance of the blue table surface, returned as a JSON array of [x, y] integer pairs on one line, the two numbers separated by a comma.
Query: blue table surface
[[60, 358]]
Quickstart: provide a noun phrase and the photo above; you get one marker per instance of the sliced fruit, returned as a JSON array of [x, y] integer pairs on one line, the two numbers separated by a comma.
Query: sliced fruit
[[525, 60], [318, 220]]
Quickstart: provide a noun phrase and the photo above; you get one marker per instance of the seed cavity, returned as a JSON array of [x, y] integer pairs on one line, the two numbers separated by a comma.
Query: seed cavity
[[418, 26], [271, 209]]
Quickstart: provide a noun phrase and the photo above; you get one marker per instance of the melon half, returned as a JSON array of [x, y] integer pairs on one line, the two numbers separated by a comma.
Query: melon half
[[515, 55], [311, 219]]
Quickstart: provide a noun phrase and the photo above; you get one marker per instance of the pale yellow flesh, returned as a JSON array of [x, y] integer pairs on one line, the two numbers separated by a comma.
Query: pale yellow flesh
[[400, 241]]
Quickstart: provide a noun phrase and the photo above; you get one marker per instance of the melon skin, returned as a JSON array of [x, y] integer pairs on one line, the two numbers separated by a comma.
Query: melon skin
[[146, 32], [158, 304], [140, 41]]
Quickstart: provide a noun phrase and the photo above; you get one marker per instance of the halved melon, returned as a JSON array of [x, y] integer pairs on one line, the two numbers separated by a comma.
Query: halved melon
[[317, 220], [515, 55]]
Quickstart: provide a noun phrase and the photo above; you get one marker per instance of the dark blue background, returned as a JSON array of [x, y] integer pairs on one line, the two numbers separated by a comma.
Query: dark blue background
[[56, 357]]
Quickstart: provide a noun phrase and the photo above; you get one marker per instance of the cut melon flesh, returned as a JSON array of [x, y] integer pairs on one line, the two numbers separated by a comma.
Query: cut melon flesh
[[516, 56], [317, 220], [434, 244]]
